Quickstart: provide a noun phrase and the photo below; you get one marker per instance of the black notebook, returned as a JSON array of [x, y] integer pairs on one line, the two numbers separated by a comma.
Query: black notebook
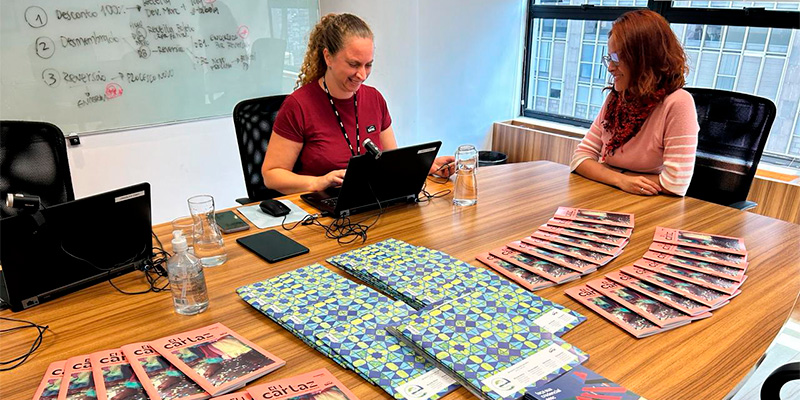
[[272, 245]]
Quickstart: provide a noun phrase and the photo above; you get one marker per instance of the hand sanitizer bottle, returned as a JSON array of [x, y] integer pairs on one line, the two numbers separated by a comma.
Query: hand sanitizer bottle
[[186, 279]]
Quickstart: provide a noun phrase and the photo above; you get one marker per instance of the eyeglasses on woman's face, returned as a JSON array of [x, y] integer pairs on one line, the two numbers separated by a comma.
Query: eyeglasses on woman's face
[[610, 58]]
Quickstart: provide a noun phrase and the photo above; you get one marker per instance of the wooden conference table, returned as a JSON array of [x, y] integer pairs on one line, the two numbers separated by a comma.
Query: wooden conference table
[[703, 360]]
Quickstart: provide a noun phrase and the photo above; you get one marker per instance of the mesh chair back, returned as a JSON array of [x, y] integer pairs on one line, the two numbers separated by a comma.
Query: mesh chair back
[[33, 161], [253, 119], [733, 132]]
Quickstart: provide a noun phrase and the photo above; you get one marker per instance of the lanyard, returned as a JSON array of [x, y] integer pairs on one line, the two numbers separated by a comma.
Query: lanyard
[[341, 125]]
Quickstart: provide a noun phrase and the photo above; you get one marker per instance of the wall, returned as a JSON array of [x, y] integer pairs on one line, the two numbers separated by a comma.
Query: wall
[[447, 68]]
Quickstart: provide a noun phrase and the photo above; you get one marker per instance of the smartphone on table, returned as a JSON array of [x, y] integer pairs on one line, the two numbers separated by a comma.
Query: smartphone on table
[[229, 222]]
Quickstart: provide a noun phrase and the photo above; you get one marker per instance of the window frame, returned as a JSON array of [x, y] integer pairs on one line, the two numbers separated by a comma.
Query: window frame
[[748, 16]]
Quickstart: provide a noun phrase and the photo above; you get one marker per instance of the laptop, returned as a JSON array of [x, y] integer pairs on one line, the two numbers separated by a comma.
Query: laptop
[[107, 235], [397, 176]]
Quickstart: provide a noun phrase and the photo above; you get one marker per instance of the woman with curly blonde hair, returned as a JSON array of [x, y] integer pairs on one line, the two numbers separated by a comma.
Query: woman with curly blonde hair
[[326, 119], [644, 138]]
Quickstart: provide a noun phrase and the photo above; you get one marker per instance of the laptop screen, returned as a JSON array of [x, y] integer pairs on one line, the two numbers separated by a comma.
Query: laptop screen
[[71, 245]]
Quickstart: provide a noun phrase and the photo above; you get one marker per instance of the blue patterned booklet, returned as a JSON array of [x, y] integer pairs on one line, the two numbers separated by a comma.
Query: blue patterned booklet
[[488, 345], [512, 299], [417, 275], [383, 360], [311, 300]]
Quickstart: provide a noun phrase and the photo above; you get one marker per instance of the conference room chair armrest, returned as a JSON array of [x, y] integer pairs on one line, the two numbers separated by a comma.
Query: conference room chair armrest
[[743, 205]]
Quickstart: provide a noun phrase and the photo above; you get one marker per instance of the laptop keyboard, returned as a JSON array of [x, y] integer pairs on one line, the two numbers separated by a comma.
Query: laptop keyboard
[[331, 201]]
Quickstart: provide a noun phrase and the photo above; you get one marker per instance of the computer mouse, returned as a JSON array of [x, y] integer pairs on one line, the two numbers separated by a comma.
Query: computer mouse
[[274, 208]]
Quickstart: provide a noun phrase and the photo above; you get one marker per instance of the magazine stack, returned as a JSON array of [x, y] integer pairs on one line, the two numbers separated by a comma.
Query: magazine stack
[[360, 328], [198, 364], [346, 322], [681, 278], [575, 242], [417, 275]]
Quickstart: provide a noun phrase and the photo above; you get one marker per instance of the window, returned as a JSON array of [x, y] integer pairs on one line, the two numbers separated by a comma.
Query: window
[[291, 24], [751, 51]]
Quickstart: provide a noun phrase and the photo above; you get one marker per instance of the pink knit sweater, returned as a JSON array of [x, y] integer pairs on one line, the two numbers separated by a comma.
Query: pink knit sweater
[[665, 145]]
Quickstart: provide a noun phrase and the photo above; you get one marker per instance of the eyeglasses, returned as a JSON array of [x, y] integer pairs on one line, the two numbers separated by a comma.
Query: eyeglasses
[[611, 58]]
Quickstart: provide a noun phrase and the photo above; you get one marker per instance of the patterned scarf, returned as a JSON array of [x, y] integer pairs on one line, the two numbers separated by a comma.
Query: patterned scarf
[[624, 118]]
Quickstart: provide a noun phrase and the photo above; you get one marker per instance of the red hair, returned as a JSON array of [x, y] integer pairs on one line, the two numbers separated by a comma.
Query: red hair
[[651, 51]]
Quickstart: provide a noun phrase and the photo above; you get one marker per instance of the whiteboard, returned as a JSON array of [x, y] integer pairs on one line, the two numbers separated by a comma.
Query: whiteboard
[[89, 66]]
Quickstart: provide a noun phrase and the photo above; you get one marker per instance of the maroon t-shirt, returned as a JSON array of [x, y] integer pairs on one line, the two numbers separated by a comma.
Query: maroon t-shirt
[[306, 117]]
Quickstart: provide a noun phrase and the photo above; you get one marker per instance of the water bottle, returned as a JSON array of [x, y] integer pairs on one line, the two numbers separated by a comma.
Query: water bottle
[[208, 245], [186, 279], [466, 185]]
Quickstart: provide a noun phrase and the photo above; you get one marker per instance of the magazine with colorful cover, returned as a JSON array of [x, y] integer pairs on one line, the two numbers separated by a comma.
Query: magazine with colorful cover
[[538, 266], [414, 274], [314, 385], [655, 311], [160, 379], [575, 264], [609, 309], [51, 382], [293, 292], [617, 241], [582, 243], [705, 296], [668, 297], [114, 378], [706, 241], [316, 317], [77, 382], [522, 276], [723, 285], [236, 396], [595, 216], [731, 260], [217, 358], [476, 348], [384, 360], [278, 295], [592, 227], [582, 254], [722, 271], [582, 384], [535, 310]]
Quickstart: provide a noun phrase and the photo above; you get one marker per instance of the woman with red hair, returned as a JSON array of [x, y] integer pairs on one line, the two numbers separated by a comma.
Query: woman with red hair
[[644, 139]]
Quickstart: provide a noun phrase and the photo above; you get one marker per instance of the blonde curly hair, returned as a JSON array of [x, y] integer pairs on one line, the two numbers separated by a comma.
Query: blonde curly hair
[[330, 33]]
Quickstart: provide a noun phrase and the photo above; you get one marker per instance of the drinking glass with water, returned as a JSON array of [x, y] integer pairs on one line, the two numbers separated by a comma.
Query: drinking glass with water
[[466, 185], [208, 245]]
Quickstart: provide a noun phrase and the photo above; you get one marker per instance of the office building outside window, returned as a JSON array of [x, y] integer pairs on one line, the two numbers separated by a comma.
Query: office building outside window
[[566, 77], [291, 25]]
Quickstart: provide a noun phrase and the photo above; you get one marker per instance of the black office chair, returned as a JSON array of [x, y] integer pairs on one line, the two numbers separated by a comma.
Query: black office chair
[[253, 119], [733, 132], [33, 161], [771, 388]]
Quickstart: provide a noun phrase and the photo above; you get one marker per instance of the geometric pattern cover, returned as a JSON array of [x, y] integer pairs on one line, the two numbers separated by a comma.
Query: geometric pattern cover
[[311, 300], [377, 355], [513, 299], [477, 343], [417, 275]]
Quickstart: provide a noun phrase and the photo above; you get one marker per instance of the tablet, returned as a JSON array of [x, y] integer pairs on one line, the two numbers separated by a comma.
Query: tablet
[[272, 245]]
